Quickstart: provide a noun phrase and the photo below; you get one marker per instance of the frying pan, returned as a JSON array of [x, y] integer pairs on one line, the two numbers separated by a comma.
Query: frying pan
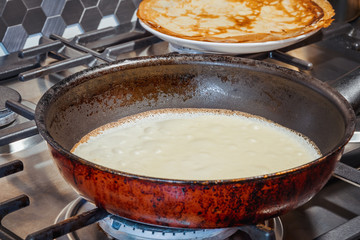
[[89, 99]]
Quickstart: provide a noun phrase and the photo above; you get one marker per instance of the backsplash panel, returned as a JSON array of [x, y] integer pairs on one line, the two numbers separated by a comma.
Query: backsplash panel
[[24, 22]]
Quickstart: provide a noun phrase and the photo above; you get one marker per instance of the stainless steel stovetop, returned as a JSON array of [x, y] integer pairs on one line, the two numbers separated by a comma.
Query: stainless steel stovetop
[[333, 214]]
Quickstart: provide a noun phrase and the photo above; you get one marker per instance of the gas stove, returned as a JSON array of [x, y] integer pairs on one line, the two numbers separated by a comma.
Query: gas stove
[[35, 201]]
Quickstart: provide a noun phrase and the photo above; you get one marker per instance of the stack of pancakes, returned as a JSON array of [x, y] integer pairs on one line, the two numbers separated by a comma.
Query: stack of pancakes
[[236, 21]]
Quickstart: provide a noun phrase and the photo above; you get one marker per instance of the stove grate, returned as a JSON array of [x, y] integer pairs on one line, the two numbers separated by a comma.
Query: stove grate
[[69, 225], [13, 204], [103, 46]]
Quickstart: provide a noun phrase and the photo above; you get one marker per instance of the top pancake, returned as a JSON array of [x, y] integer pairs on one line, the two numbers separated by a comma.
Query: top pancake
[[235, 21]]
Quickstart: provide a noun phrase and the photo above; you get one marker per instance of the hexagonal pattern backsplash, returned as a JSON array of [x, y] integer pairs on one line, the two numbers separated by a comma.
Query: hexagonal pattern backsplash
[[21, 20]]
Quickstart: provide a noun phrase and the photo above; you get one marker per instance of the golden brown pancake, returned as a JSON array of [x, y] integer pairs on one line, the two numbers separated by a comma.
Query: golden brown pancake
[[236, 21]]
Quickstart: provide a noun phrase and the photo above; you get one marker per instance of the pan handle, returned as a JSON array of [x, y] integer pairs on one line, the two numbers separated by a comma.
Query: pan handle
[[349, 86]]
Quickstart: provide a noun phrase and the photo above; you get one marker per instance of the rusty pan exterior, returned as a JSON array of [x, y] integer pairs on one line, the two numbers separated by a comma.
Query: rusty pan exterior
[[104, 94]]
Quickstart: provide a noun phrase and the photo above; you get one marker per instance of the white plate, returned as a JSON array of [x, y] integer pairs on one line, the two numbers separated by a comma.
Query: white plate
[[228, 48]]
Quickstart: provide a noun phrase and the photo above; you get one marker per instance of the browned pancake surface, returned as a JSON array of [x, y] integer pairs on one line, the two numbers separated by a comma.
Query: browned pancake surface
[[236, 20]]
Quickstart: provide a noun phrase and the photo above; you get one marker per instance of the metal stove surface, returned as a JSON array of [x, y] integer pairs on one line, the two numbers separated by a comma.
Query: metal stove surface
[[49, 194]]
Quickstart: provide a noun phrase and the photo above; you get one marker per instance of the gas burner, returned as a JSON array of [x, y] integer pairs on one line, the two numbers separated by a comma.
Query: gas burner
[[7, 116], [24, 143], [120, 228], [114, 227]]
